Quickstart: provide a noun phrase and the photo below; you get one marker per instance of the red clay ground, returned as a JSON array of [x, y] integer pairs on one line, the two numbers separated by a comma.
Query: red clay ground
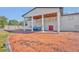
[[45, 42]]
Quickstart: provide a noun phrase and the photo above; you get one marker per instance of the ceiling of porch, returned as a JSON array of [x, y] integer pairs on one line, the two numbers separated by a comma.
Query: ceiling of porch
[[45, 15]]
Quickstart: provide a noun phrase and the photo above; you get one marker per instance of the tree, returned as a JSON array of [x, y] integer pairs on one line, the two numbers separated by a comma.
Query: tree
[[13, 22], [3, 21], [22, 23]]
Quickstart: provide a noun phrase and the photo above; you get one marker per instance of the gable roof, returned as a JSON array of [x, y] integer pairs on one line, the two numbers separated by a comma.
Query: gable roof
[[40, 7]]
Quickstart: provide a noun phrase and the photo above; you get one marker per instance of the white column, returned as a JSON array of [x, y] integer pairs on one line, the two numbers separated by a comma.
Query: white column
[[32, 23], [58, 21], [24, 25], [43, 23]]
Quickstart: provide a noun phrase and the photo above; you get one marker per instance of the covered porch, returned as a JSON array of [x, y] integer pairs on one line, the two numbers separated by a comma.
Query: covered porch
[[46, 22]]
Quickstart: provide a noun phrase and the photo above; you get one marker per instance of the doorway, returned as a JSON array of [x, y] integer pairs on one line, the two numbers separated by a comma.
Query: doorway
[[50, 27]]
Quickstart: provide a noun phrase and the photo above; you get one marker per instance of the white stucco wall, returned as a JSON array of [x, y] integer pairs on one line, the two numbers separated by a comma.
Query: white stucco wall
[[47, 21], [70, 23], [37, 22], [29, 25], [50, 21]]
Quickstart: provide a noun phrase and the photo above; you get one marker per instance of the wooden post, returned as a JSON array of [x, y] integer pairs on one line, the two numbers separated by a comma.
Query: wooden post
[[32, 23], [58, 22], [42, 23], [24, 24]]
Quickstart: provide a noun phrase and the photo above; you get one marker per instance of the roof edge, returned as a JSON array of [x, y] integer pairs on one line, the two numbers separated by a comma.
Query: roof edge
[[70, 14], [39, 7], [28, 11]]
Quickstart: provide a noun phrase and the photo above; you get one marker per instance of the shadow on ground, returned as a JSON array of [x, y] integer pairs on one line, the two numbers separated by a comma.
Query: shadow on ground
[[21, 31]]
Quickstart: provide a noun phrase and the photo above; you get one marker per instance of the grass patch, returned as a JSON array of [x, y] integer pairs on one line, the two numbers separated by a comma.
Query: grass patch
[[3, 38]]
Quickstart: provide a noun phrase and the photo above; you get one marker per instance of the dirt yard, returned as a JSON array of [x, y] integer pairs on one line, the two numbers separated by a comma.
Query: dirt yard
[[45, 42]]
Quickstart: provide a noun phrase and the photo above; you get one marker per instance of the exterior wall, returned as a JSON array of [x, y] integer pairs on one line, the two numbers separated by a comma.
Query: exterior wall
[[47, 22], [37, 22], [28, 26], [28, 22], [50, 21], [70, 22]]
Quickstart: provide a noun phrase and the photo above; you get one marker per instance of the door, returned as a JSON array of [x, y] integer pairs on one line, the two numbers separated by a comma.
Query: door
[[50, 27]]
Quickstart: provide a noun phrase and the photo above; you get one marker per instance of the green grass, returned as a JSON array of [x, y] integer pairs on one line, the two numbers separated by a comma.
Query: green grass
[[3, 38]]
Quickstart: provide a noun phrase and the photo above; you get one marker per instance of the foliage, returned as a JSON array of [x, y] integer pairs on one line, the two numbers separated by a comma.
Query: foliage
[[3, 21], [3, 38], [13, 22], [21, 23]]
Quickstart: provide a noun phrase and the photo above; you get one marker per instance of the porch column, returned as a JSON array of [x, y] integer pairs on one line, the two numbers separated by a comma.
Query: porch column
[[43, 23], [24, 24], [32, 22], [58, 22]]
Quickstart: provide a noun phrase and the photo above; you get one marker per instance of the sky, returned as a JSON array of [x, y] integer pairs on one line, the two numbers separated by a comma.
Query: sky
[[14, 12], [17, 12]]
